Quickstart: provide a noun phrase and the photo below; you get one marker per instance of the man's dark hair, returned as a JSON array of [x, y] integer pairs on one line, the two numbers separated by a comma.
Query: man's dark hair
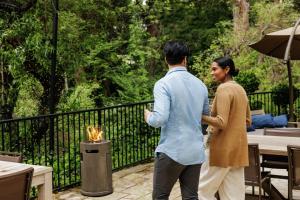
[[175, 52]]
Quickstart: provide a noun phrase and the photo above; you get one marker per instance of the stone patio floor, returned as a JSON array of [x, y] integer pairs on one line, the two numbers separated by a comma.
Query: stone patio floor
[[135, 183]]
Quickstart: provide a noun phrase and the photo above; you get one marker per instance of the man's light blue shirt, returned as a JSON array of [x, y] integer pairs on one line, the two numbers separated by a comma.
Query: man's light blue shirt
[[180, 99]]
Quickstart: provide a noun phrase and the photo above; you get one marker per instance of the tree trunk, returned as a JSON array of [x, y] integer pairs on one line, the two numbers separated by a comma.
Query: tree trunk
[[66, 82], [2, 84], [241, 16]]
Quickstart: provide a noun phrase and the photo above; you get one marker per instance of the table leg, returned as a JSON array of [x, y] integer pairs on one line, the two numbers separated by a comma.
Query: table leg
[[45, 190]]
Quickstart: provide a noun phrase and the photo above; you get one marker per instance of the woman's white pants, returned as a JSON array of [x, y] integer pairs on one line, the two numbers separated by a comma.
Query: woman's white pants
[[228, 182]]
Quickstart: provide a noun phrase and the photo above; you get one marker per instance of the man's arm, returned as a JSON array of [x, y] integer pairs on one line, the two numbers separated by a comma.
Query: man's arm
[[160, 114], [206, 110]]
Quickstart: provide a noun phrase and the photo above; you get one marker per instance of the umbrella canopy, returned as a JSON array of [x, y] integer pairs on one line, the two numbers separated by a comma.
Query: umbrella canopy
[[274, 44], [283, 44]]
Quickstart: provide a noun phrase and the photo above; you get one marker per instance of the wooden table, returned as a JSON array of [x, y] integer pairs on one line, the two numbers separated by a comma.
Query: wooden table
[[273, 145], [42, 177]]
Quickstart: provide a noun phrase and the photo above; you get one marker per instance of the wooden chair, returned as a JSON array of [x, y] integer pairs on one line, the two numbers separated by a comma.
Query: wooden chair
[[253, 175], [278, 162], [11, 156], [294, 169], [16, 186], [294, 124]]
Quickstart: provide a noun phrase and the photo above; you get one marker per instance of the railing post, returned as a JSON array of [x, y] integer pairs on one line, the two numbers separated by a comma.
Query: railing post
[[52, 78]]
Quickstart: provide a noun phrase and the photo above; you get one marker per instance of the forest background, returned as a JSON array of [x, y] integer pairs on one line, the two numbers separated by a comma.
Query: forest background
[[110, 51]]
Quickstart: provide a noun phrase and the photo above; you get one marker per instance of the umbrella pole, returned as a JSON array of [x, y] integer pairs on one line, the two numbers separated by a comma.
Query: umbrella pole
[[287, 59], [291, 92]]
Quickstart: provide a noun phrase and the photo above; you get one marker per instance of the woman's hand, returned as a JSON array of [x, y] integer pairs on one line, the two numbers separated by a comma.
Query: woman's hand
[[203, 121], [212, 130]]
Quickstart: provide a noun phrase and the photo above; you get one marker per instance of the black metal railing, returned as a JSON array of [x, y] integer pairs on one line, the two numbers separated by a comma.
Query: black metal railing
[[265, 101], [133, 141]]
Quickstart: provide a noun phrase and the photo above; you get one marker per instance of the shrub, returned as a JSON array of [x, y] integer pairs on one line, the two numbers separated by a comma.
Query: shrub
[[280, 94], [79, 99], [248, 80]]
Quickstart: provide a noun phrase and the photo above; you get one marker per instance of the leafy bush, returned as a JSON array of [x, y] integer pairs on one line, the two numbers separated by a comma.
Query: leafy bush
[[248, 80], [30, 91], [80, 98], [280, 94]]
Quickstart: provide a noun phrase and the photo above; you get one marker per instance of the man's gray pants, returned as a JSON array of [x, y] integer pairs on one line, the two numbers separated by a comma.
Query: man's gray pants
[[168, 171]]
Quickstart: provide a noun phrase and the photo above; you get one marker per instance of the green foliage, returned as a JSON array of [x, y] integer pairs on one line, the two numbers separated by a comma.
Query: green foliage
[[191, 21], [80, 98], [30, 90], [202, 61], [265, 17], [248, 80], [117, 45], [281, 94]]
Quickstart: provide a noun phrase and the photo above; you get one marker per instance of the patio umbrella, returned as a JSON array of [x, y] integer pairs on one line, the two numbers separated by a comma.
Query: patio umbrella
[[283, 44]]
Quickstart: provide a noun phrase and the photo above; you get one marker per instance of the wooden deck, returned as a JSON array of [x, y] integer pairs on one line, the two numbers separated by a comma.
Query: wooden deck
[[136, 184]]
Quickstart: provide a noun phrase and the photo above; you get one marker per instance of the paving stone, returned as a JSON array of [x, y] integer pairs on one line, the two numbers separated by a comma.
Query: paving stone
[[139, 190]]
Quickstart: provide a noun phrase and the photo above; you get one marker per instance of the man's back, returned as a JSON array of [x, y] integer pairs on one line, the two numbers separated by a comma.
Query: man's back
[[180, 100]]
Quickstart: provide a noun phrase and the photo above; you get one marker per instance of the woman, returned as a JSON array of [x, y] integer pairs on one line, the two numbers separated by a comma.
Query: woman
[[228, 145]]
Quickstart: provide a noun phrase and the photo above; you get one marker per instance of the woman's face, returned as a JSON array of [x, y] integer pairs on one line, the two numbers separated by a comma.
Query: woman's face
[[219, 74]]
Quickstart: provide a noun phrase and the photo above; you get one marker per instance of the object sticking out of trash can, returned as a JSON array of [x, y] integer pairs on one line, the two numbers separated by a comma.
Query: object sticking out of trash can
[[96, 168]]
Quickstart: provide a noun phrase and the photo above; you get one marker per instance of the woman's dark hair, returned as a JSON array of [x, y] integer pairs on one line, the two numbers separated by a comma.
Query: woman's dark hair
[[175, 52], [226, 61]]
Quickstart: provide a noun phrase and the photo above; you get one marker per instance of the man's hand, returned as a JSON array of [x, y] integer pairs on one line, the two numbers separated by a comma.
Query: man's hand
[[146, 114]]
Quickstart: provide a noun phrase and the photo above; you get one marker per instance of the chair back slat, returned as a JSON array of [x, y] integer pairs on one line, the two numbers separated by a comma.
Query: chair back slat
[[294, 165], [16, 186], [252, 172], [11, 156]]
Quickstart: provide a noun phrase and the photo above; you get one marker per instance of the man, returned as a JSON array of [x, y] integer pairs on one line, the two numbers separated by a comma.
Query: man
[[180, 100]]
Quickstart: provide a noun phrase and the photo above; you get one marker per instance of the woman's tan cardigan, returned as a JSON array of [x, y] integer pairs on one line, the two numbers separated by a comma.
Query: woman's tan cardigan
[[229, 118]]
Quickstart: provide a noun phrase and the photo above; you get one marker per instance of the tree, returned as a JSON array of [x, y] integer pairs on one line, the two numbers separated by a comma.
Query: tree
[[241, 16], [117, 45]]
